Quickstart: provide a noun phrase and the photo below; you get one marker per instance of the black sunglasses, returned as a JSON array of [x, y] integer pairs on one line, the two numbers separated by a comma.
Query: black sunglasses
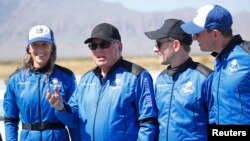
[[159, 43], [103, 44]]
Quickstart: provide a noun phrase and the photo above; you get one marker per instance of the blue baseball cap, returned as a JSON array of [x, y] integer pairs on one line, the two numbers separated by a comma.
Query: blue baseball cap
[[40, 33], [209, 17]]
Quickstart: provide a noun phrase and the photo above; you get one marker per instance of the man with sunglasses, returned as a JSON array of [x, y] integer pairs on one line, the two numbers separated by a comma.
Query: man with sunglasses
[[182, 110], [115, 100]]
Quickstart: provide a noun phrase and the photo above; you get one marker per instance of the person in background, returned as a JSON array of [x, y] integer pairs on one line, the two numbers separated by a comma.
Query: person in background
[[230, 82], [182, 109], [114, 100], [25, 96]]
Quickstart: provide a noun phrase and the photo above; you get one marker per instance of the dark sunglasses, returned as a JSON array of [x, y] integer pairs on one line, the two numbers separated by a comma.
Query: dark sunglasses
[[159, 43], [103, 44]]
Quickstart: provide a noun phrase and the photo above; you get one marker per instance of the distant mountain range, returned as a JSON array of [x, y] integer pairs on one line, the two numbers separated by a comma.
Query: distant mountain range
[[73, 20]]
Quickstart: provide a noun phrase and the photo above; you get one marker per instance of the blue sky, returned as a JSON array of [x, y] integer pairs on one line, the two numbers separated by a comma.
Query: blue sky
[[234, 6]]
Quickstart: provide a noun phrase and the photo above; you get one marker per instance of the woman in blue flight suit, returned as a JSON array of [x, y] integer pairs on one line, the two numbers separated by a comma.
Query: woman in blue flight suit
[[26, 91]]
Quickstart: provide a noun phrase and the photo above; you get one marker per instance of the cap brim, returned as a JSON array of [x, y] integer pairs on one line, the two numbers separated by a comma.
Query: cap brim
[[191, 28], [154, 35], [40, 39], [97, 37]]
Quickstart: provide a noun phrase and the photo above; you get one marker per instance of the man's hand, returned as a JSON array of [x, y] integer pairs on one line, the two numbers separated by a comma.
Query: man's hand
[[55, 99]]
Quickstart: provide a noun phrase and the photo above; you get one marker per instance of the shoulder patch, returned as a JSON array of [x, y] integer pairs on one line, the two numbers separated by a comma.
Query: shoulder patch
[[246, 46], [202, 69], [133, 68], [66, 70]]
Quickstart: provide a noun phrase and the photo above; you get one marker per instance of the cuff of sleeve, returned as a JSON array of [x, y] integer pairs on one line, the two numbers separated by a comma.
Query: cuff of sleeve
[[66, 108]]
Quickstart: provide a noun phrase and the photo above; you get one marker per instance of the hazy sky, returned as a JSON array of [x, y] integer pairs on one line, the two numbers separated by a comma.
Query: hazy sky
[[233, 6]]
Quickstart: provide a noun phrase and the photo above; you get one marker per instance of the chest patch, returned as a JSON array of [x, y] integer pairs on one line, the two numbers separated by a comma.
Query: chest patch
[[234, 66], [188, 88]]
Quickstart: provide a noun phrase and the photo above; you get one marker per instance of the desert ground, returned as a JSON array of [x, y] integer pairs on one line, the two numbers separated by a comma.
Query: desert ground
[[81, 65]]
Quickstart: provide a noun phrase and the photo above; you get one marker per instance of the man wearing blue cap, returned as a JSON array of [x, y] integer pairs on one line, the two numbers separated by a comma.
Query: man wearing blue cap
[[230, 83]]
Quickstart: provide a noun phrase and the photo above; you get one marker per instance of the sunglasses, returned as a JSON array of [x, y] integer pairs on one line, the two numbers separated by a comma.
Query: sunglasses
[[159, 43], [103, 44]]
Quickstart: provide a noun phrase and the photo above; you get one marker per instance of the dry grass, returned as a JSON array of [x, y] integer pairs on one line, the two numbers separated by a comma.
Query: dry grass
[[7, 67], [78, 66], [82, 65]]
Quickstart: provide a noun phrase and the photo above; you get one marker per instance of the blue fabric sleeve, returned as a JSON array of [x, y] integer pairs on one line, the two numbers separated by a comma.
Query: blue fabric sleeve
[[147, 132], [146, 107], [74, 132], [70, 115], [207, 94], [11, 113]]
